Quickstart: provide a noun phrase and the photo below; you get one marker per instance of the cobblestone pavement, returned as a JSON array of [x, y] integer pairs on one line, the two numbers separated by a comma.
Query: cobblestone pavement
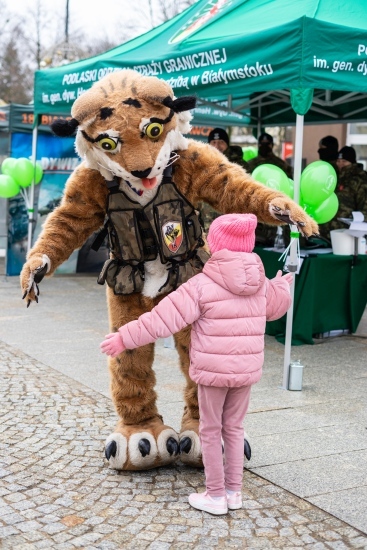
[[57, 492]]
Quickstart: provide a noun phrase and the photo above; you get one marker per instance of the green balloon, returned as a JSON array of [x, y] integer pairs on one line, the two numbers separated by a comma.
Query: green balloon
[[291, 188], [8, 166], [23, 172], [38, 173], [8, 187], [249, 153], [325, 211], [318, 181], [273, 177]]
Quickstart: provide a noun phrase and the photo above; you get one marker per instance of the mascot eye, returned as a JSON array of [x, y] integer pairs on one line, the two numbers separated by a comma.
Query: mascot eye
[[107, 144], [153, 130]]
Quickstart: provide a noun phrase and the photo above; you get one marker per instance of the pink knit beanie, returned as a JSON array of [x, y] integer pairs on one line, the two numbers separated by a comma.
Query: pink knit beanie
[[235, 232]]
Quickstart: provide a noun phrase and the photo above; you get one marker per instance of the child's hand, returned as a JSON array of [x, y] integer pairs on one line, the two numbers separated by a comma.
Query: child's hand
[[112, 345], [288, 277]]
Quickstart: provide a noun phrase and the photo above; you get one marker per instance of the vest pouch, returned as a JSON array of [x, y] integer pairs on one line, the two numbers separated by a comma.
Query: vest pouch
[[168, 218], [124, 279], [125, 236], [193, 228]]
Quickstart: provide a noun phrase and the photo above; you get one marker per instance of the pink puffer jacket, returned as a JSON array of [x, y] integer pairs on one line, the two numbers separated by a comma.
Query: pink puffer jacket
[[227, 305]]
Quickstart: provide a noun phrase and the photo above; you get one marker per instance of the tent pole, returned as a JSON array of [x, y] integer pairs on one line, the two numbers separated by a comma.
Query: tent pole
[[229, 104], [293, 263], [259, 119], [31, 198]]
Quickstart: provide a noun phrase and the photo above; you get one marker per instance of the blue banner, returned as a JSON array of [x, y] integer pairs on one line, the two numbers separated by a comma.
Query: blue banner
[[58, 159]]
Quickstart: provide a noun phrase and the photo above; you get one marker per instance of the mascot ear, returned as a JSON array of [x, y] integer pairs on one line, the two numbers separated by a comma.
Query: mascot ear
[[64, 128], [180, 104]]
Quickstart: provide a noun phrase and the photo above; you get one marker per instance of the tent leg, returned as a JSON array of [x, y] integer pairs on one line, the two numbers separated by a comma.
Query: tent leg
[[293, 263], [31, 197], [259, 120]]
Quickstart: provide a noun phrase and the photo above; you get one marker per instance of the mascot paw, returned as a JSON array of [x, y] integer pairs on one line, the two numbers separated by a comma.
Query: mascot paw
[[246, 449], [190, 448], [141, 447], [287, 211], [32, 274]]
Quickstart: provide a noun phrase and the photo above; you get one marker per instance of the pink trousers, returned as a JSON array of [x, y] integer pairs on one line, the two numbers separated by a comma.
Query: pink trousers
[[222, 411]]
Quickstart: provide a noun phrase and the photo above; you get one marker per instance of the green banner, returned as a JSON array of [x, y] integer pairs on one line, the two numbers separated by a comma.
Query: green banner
[[221, 48]]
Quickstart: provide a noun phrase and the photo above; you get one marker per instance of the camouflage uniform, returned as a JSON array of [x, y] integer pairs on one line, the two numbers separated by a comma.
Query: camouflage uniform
[[270, 159], [233, 154], [351, 191], [265, 234]]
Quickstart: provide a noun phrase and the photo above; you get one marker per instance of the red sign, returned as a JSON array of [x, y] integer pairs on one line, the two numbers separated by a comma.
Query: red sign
[[287, 149]]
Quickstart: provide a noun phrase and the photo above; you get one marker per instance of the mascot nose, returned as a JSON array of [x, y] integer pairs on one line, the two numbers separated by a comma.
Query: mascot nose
[[141, 173]]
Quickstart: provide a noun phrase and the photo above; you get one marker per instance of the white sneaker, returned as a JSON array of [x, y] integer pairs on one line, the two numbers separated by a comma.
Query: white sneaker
[[203, 501], [234, 500]]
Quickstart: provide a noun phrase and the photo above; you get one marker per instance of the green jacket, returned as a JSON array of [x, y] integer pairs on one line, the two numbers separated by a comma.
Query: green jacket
[[351, 191], [234, 154]]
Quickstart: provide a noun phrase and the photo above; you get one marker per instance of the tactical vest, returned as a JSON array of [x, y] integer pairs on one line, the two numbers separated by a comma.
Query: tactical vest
[[168, 227]]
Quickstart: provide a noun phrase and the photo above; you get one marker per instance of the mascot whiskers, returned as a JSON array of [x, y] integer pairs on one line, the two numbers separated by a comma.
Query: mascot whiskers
[[141, 182]]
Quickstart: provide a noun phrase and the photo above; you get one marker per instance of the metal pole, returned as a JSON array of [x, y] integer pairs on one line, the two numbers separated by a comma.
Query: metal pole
[[293, 264], [67, 23], [31, 196], [259, 121], [229, 128]]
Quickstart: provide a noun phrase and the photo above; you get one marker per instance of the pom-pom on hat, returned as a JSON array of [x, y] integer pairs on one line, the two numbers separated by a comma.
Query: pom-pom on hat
[[235, 232]]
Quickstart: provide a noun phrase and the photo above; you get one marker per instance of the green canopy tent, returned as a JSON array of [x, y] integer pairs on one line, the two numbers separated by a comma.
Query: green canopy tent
[[219, 114], [221, 48], [231, 49]]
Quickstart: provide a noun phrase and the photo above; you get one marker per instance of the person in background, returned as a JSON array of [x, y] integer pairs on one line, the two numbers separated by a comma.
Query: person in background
[[328, 149], [219, 139], [227, 305], [351, 190], [266, 156], [265, 234]]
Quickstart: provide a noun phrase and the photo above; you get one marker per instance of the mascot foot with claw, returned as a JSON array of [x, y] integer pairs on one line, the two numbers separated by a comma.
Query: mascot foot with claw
[[142, 447], [190, 448], [247, 449]]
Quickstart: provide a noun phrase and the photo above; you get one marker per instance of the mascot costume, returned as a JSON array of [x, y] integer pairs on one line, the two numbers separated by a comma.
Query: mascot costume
[[141, 182]]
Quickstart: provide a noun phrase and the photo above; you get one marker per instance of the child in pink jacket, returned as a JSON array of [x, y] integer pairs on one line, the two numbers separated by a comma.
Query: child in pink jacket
[[227, 305]]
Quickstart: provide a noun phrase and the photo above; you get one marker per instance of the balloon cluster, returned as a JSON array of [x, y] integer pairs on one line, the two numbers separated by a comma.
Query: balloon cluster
[[318, 182], [17, 174]]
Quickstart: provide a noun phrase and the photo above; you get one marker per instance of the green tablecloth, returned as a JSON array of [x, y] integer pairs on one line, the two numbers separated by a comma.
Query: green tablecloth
[[330, 294]]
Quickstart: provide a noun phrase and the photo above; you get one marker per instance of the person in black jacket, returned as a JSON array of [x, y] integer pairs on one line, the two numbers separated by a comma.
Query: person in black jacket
[[219, 139], [266, 156]]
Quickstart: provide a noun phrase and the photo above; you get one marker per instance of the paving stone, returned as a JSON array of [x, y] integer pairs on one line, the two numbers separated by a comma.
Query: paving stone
[[57, 492]]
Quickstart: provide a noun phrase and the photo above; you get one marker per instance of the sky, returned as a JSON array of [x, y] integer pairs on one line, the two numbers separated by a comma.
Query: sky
[[99, 18]]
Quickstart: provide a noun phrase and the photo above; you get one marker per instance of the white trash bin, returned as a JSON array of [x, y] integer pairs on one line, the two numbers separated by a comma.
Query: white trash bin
[[343, 243], [295, 376]]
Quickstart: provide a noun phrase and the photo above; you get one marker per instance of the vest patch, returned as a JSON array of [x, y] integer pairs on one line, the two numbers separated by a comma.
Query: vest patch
[[172, 235]]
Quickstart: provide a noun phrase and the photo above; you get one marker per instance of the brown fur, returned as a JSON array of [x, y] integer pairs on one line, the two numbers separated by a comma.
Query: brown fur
[[201, 173]]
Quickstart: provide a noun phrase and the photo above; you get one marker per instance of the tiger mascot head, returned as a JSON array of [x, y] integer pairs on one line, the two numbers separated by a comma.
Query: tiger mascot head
[[128, 126]]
